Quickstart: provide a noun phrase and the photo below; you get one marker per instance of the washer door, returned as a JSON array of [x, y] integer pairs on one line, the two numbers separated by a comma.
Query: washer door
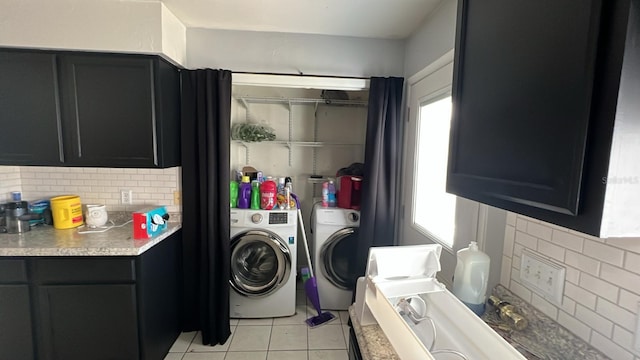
[[335, 255], [260, 263]]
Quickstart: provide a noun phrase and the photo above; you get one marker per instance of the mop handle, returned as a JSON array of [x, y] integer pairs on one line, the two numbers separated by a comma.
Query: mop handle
[[304, 239]]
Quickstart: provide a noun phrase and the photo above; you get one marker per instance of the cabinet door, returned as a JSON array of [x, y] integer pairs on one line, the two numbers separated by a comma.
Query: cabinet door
[[30, 130], [109, 110], [522, 95], [16, 338], [89, 322]]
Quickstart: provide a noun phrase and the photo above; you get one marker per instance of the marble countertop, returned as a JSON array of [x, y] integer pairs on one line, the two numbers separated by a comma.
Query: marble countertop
[[543, 338], [372, 341], [45, 240]]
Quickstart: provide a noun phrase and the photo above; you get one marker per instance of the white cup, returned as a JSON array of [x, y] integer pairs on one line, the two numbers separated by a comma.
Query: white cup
[[96, 215]]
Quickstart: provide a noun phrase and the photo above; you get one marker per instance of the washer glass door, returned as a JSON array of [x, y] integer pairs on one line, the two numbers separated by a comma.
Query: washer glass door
[[335, 255], [260, 263]]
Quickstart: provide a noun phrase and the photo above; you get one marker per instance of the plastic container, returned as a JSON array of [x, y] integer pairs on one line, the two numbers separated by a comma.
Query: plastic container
[[268, 194], [244, 193], [233, 194], [255, 195], [325, 194], [471, 277], [66, 211], [331, 196]]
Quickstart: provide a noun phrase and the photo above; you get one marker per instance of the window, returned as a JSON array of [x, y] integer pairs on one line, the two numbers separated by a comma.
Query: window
[[434, 209]]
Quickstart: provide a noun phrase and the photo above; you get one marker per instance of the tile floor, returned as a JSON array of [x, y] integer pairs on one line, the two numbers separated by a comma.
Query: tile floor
[[287, 338]]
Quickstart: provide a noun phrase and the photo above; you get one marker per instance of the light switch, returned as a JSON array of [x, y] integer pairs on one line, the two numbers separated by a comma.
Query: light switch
[[543, 276]]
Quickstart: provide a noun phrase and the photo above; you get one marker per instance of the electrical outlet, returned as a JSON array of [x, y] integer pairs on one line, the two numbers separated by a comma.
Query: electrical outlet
[[126, 197], [177, 197], [542, 276]]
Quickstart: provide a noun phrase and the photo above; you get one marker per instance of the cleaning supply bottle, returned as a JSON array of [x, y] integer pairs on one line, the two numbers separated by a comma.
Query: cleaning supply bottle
[[244, 193], [233, 194], [471, 277], [331, 196], [255, 195], [268, 194], [325, 194]]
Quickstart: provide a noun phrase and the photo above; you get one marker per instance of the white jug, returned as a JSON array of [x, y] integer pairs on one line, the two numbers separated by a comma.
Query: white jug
[[471, 277]]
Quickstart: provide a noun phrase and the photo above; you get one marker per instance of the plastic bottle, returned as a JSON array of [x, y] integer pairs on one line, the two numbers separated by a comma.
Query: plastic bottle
[[233, 193], [331, 196], [268, 194], [281, 185], [244, 193], [471, 277], [325, 194], [255, 195]]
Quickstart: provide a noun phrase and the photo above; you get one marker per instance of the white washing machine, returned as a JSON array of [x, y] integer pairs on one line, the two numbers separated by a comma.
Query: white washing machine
[[263, 263], [335, 235]]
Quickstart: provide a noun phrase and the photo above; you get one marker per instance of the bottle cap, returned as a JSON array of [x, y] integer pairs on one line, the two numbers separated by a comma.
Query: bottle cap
[[245, 179]]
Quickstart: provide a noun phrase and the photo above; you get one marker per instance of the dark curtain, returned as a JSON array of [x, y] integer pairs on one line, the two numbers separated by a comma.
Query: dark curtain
[[382, 163], [206, 114]]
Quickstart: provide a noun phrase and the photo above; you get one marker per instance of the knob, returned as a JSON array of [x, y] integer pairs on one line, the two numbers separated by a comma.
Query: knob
[[353, 217], [256, 218]]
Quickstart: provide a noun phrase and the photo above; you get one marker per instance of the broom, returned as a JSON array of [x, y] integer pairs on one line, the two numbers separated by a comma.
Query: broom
[[310, 284]]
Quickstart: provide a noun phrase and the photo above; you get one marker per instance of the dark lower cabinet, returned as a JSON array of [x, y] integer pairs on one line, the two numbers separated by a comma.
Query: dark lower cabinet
[[89, 322], [16, 338], [354, 349], [97, 308]]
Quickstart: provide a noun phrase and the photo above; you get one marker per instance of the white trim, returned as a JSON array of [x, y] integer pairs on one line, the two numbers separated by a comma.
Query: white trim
[[294, 81], [431, 68]]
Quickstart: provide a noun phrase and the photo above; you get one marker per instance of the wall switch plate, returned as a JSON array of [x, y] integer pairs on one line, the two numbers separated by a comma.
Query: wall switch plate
[[177, 197], [543, 276], [126, 197]]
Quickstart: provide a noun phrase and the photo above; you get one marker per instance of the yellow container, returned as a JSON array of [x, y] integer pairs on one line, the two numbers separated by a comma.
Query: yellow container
[[66, 211]]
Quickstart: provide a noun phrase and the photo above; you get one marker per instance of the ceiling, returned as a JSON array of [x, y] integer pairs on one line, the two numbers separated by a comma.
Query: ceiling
[[383, 19]]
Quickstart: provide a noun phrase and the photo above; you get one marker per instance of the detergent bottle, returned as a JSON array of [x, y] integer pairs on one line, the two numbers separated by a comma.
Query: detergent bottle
[[471, 277]]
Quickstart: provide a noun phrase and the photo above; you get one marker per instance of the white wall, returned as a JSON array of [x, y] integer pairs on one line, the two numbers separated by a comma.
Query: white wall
[[116, 26], [9, 181], [247, 51], [433, 39]]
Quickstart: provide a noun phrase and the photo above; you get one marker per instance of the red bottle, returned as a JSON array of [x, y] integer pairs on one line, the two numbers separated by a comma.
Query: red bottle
[[268, 194]]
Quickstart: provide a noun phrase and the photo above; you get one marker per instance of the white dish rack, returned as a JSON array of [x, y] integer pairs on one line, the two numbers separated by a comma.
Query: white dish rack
[[421, 319]]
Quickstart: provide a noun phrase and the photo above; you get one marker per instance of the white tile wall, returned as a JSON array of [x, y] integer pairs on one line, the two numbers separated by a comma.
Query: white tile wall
[[96, 185], [602, 286], [9, 181]]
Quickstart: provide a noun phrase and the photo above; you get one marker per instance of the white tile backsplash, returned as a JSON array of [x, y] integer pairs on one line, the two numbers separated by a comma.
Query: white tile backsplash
[[602, 285], [95, 185]]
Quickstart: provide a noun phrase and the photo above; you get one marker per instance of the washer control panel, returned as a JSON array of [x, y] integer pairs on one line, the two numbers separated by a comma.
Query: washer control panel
[[278, 218]]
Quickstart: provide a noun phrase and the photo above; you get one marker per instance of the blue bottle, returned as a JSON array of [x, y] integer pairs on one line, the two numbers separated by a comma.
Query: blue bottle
[[331, 196]]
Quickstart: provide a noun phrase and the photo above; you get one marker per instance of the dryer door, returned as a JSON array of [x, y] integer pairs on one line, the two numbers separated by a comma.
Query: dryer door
[[335, 255], [260, 263]]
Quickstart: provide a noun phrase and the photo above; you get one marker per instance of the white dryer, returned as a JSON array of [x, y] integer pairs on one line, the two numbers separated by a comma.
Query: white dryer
[[335, 235], [263, 263]]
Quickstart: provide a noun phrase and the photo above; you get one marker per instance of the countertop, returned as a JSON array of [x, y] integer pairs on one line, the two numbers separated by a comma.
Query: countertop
[[45, 240], [542, 339]]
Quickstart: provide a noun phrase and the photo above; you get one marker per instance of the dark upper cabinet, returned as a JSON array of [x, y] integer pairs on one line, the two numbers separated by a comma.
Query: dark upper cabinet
[[537, 93], [89, 109], [120, 110], [30, 122]]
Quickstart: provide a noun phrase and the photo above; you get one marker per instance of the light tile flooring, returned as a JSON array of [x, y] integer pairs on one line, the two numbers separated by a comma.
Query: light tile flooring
[[287, 338]]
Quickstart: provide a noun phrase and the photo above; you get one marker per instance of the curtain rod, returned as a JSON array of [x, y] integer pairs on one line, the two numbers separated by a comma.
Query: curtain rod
[[301, 75], [300, 81]]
